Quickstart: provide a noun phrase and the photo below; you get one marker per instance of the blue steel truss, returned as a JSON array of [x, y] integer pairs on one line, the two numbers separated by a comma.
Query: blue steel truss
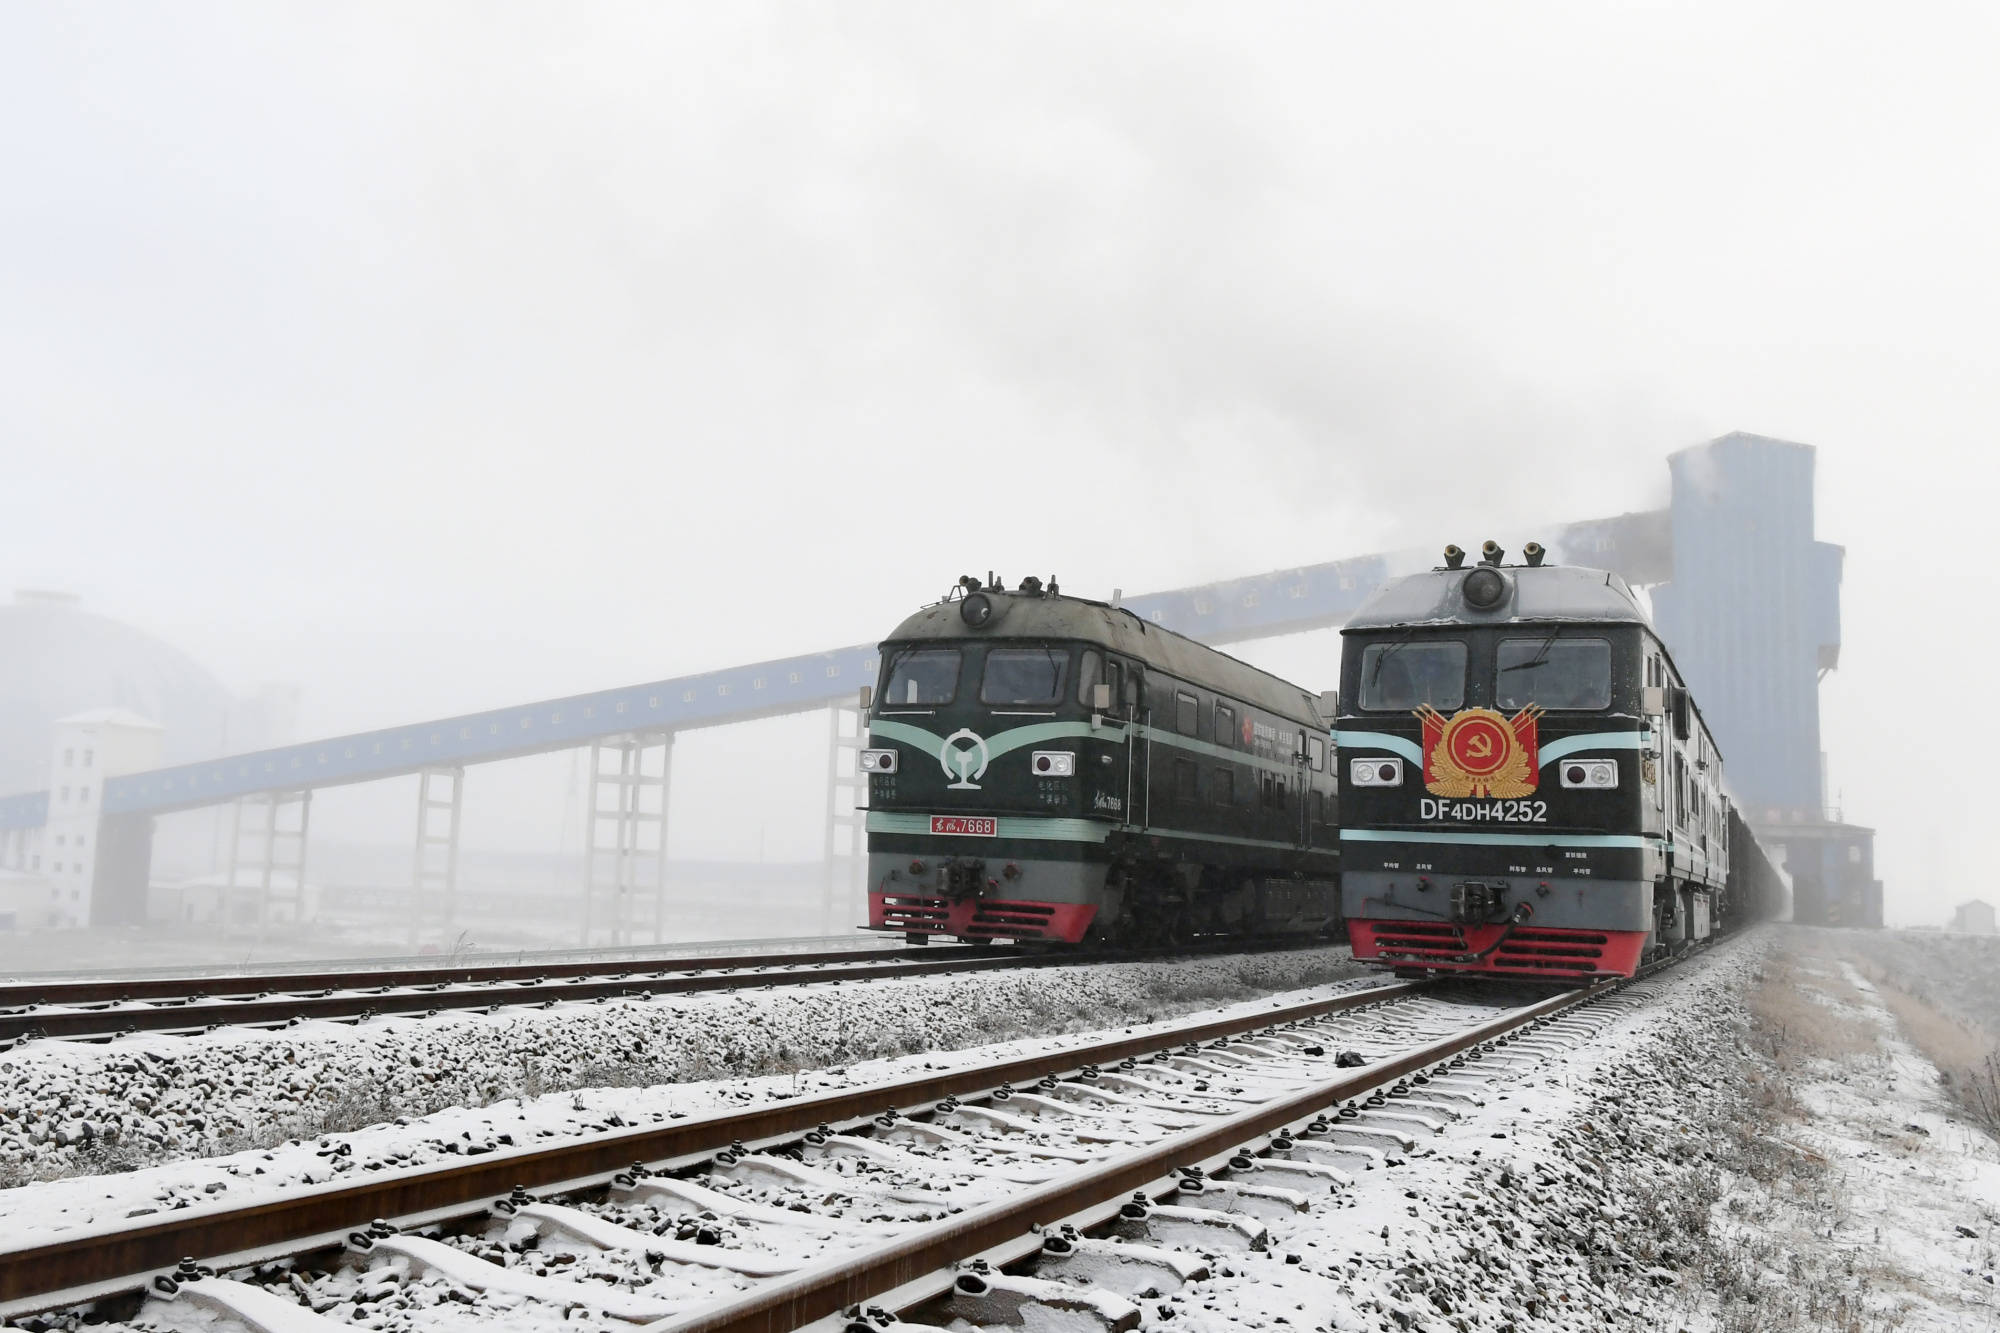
[[1287, 601]]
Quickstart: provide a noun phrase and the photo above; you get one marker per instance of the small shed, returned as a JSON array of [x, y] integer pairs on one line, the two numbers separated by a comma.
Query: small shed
[[1975, 918]]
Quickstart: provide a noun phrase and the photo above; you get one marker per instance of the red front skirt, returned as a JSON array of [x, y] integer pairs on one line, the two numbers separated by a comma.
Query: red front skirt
[[1527, 951], [980, 918]]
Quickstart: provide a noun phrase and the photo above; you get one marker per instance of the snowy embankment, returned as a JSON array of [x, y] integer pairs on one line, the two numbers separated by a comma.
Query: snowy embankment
[[1739, 1152], [70, 1108], [1667, 1173], [1871, 1197]]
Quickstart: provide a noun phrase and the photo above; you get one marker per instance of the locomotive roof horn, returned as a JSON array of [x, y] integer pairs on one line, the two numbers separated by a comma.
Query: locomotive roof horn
[[1491, 553], [1534, 552], [1453, 557]]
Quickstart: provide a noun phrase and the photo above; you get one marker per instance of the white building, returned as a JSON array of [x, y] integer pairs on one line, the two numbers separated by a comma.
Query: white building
[[89, 747]]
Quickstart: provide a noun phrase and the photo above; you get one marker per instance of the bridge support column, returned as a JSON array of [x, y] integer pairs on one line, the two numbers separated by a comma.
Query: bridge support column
[[625, 836], [434, 870], [267, 855], [845, 854]]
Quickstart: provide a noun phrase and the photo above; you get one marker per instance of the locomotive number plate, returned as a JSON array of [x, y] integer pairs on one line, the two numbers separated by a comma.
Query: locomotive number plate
[[963, 826]]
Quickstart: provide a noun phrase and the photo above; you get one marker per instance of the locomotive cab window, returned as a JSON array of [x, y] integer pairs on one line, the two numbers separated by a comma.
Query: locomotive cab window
[[1089, 671], [1554, 673], [921, 677], [1024, 677], [1398, 676], [1316, 749]]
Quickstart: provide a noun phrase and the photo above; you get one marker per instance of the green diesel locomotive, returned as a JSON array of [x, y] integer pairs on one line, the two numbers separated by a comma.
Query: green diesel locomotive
[[1048, 768]]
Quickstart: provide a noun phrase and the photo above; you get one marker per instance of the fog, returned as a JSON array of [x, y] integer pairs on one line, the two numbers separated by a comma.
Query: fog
[[442, 358]]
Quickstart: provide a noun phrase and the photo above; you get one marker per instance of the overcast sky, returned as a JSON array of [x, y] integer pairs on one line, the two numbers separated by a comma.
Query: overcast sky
[[438, 357]]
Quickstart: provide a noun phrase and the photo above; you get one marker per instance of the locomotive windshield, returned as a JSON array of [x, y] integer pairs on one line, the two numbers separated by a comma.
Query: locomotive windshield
[[921, 676], [1024, 676], [1552, 672], [1401, 675]]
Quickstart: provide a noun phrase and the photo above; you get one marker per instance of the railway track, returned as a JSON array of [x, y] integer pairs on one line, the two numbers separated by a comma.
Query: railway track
[[100, 1009], [1128, 1160]]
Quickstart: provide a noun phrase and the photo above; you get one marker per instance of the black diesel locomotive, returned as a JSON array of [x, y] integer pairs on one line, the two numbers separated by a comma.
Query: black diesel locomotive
[[1527, 787], [1044, 767]]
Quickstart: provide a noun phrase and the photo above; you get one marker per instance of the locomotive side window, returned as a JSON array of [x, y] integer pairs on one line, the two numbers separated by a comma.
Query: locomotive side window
[[1552, 672], [1089, 672], [925, 677], [1225, 726], [1396, 677], [1187, 713], [1222, 786], [1024, 676], [1186, 784]]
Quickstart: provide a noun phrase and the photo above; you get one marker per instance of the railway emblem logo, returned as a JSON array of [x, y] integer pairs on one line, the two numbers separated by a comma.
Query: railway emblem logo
[[957, 761], [1477, 752]]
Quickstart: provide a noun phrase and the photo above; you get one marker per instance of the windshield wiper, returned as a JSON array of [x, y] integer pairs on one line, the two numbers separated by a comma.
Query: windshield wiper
[[1389, 652], [1541, 654]]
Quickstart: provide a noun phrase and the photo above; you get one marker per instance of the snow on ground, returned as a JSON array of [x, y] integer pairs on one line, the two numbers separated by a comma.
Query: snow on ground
[[1959, 973], [1881, 1203], [1554, 1206], [1643, 1180], [635, 1062], [1743, 1143], [1661, 1175]]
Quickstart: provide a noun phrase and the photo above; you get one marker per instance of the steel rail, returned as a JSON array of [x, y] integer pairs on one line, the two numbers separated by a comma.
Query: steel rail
[[790, 1303], [96, 1262], [200, 1014], [99, 990], [488, 991], [472, 956]]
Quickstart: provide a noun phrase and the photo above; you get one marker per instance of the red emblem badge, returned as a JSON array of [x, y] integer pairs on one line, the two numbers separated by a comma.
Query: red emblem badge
[[1477, 752]]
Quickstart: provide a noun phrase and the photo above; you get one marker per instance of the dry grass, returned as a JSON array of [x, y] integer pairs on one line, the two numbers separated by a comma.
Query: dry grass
[[1793, 1014], [1967, 1057], [1943, 992]]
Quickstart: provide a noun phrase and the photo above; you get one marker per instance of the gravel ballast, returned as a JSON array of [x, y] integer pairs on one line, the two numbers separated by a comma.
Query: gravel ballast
[[79, 1108]]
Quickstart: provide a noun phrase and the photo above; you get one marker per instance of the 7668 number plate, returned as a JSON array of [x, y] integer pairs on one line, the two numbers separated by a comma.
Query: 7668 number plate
[[965, 826]]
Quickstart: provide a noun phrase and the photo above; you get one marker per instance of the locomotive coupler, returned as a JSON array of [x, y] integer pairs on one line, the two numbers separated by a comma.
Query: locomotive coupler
[[963, 877], [1476, 903]]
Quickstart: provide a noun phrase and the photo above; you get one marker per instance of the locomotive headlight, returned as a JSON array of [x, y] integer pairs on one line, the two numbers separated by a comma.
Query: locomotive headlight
[[1053, 764], [879, 761], [1594, 773], [1375, 772], [1485, 587]]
